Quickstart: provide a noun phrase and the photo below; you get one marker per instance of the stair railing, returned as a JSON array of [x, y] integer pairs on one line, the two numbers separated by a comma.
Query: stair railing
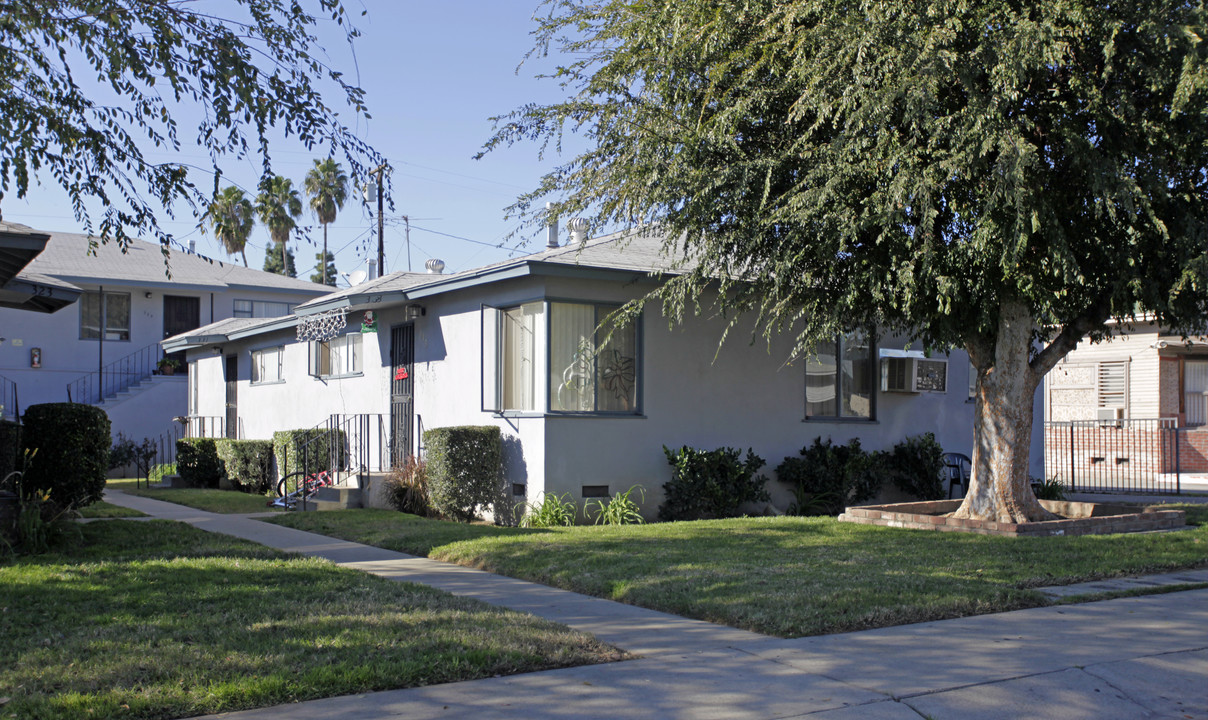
[[95, 387]]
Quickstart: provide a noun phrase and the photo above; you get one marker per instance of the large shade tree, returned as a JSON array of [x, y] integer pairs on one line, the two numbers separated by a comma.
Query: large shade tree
[[1000, 177], [279, 207], [88, 88], [232, 219], [327, 187]]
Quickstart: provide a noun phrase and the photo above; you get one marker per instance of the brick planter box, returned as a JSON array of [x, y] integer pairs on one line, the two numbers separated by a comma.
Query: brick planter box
[[1078, 519]]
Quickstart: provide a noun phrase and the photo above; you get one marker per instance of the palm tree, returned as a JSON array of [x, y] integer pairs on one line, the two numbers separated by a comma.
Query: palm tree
[[232, 218], [278, 205], [327, 186]]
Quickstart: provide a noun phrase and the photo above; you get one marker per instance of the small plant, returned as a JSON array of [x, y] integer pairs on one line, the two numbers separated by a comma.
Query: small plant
[[126, 452], [1051, 489], [39, 522], [167, 366], [711, 483], [554, 511], [407, 487], [828, 477], [619, 510]]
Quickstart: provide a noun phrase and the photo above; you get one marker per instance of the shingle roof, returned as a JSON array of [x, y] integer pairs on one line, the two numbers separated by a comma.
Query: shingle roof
[[67, 257], [223, 330]]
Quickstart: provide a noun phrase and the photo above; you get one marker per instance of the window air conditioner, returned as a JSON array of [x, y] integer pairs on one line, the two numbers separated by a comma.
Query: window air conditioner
[[1109, 414], [914, 375]]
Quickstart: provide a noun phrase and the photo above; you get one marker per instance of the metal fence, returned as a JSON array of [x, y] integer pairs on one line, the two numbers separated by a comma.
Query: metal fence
[[95, 387], [1115, 456]]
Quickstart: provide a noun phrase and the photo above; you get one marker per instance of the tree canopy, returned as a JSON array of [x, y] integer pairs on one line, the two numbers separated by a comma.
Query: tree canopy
[[86, 87], [232, 218], [327, 187], [1001, 177]]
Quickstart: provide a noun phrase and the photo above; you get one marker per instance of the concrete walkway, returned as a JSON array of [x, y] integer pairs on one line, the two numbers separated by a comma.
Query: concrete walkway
[[1128, 658]]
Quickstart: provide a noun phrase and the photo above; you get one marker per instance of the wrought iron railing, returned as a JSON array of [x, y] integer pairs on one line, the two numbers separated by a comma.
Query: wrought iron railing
[[203, 426], [10, 405], [119, 375], [1115, 456]]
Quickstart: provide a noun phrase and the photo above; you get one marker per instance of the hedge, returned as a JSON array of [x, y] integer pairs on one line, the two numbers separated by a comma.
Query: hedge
[[72, 445], [287, 448], [248, 464], [464, 469], [10, 448], [708, 484], [197, 462]]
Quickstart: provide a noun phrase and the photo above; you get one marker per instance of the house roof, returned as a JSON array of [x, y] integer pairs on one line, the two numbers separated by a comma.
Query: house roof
[[605, 257], [69, 258], [224, 330], [20, 287]]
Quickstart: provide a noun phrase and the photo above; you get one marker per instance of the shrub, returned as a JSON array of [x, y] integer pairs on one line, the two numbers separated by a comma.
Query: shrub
[[407, 487], [710, 483], [1051, 489], [828, 477], [619, 510], [288, 449], [248, 464], [554, 511], [197, 462], [916, 466], [464, 469], [127, 452], [10, 448], [72, 445]]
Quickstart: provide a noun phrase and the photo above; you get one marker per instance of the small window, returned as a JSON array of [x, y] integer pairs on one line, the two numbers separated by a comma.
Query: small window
[[338, 357], [1113, 384], [594, 491], [110, 309], [262, 309], [266, 365], [518, 357], [590, 370], [840, 379]]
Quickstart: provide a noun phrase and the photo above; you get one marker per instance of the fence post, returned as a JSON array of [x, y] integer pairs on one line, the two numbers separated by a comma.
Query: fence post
[[1073, 487], [1178, 469]]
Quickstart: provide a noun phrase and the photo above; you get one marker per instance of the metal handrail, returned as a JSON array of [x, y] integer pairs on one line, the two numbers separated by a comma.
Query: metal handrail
[[9, 402], [119, 375]]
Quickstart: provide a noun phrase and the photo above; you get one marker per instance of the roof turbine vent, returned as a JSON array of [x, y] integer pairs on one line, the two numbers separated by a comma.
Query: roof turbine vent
[[578, 229], [435, 266]]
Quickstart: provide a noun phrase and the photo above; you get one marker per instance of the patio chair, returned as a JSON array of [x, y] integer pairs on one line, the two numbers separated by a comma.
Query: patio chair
[[958, 468]]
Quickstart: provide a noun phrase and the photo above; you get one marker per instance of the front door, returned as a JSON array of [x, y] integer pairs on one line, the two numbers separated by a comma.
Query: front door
[[181, 314], [232, 405], [402, 398]]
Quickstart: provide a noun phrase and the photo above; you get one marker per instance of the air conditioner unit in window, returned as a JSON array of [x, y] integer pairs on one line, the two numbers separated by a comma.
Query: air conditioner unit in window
[[914, 375], [1109, 414]]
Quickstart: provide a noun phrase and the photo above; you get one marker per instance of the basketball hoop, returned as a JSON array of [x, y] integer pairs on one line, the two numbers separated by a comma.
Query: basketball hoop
[[322, 326]]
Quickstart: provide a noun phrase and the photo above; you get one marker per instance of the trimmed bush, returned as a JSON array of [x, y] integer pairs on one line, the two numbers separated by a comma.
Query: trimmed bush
[[197, 462], [10, 448], [827, 477], [72, 444], [464, 469], [709, 484], [248, 464], [288, 444], [916, 466]]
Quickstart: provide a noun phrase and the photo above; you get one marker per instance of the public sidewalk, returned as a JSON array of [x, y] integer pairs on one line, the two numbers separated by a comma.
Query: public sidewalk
[[1127, 658]]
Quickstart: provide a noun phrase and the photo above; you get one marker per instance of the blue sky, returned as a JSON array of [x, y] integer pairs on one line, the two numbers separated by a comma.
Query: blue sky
[[434, 74]]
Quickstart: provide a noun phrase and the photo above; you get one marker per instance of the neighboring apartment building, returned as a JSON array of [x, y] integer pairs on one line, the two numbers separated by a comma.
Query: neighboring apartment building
[[515, 344], [104, 348]]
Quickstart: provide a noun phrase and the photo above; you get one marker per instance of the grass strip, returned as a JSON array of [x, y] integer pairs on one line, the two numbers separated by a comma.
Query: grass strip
[[227, 502], [160, 620], [785, 576], [102, 509]]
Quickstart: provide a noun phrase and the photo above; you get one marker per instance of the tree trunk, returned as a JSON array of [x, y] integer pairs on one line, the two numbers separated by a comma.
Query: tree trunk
[[1002, 426], [243, 254]]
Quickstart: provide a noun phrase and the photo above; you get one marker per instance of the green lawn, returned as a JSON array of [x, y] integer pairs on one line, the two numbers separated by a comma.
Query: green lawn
[[216, 501], [786, 576], [160, 620], [102, 509]]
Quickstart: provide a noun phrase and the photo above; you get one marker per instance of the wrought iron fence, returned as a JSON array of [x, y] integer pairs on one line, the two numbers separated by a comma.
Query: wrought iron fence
[[119, 375], [1115, 456]]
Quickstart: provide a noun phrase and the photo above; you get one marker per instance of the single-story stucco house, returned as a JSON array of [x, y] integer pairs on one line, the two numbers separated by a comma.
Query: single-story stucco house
[[515, 344]]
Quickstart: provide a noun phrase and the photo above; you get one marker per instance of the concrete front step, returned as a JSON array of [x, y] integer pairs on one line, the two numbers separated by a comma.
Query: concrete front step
[[336, 497]]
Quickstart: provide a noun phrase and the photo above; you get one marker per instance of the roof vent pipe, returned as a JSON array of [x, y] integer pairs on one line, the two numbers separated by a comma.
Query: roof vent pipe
[[192, 247], [435, 266], [578, 229], [551, 227], [372, 269]]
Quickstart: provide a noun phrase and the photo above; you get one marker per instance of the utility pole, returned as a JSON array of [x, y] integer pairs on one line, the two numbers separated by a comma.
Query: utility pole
[[407, 230], [381, 258]]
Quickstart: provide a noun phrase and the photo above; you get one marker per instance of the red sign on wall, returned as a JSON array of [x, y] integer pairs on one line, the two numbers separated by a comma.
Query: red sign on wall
[[401, 373]]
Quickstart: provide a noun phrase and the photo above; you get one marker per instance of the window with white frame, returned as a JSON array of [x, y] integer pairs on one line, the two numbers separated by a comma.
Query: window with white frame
[[262, 309], [518, 356], [593, 367], [840, 379], [337, 357], [109, 309], [266, 365]]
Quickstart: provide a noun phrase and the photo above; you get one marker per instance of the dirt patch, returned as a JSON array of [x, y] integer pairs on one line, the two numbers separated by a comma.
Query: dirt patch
[[1077, 518]]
